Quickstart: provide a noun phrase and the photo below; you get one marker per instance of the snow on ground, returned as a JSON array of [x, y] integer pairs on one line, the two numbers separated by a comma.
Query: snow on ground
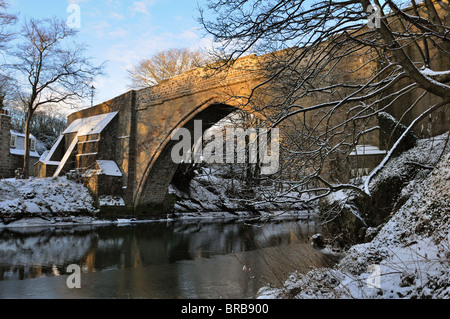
[[211, 190], [109, 200], [61, 201], [41, 196], [426, 153], [409, 257]]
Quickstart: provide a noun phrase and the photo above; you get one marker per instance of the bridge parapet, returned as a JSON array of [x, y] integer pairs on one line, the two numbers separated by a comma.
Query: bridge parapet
[[195, 81]]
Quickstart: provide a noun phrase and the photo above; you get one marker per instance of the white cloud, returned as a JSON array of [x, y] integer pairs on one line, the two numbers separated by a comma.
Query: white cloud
[[76, 1], [204, 44], [99, 28], [118, 33], [189, 35], [142, 6], [113, 3], [117, 16], [130, 52], [138, 46]]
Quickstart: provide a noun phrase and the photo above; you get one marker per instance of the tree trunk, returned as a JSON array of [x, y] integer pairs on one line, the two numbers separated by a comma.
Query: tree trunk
[[26, 157], [248, 165]]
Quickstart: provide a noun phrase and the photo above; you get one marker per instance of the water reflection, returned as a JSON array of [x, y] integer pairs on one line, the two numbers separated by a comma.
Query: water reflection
[[196, 259]]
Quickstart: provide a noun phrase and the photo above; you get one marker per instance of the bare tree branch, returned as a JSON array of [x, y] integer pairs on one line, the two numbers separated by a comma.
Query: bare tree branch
[[163, 65], [326, 75]]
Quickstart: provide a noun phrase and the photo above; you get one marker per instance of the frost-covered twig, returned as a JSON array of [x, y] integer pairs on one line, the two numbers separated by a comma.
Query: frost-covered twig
[[420, 165]]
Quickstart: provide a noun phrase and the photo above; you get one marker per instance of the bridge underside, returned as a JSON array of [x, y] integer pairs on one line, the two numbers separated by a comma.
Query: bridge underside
[[152, 197]]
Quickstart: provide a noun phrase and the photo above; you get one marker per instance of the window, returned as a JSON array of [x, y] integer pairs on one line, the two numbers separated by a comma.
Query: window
[[32, 144], [13, 141]]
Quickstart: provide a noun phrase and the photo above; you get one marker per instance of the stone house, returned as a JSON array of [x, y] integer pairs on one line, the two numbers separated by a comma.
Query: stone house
[[12, 148]]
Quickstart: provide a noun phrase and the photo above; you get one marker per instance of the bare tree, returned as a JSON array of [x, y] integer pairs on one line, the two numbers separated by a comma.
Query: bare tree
[[50, 68], [5, 86], [6, 20], [331, 69], [163, 65]]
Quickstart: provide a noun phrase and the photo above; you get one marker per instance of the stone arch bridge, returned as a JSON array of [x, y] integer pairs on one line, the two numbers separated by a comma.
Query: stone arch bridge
[[124, 144]]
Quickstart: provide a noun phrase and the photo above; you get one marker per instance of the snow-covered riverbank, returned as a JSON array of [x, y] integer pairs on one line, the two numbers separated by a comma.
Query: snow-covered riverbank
[[44, 198], [42, 202], [62, 202], [410, 256]]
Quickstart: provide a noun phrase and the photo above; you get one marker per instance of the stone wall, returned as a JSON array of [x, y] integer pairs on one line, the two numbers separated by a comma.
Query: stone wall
[[42, 170], [17, 162], [5, 138], [115, 141]]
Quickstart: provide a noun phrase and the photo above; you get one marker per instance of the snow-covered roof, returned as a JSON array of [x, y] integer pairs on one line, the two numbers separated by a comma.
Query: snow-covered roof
[[21, 152], [47, 155], [90, 125], [44, 155], [109, 168], [367, 150], [21, 134], [45, 158]]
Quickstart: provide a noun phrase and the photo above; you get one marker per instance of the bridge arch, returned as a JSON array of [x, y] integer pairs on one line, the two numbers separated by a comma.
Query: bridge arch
[[152, 188]]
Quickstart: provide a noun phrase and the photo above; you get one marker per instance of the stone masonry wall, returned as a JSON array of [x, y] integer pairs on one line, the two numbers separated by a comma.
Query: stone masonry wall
[[198, 80], [5, 138]]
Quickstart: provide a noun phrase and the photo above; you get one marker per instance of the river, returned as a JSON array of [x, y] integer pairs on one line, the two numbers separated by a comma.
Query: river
[[173, 259]]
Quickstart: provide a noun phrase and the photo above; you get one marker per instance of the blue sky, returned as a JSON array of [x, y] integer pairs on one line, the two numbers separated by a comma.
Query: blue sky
[[123, 32]]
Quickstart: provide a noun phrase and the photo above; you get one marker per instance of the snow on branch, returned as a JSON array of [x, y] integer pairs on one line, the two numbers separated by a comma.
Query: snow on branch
[[397, 143]]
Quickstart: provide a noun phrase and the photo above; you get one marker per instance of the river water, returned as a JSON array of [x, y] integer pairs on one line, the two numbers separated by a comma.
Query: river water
[[182, 259]]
